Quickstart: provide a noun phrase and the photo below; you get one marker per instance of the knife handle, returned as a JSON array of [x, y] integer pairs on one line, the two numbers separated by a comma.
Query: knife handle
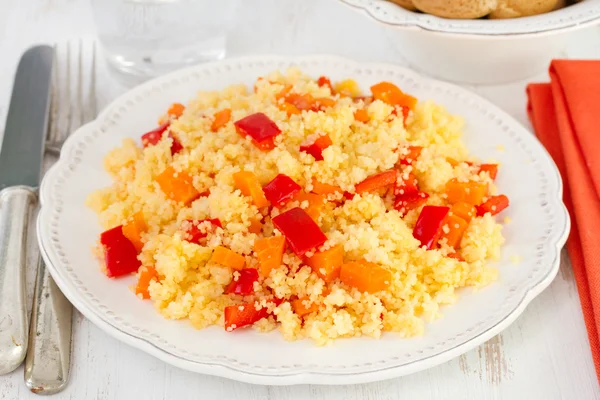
[[49, 354], [16, 204]]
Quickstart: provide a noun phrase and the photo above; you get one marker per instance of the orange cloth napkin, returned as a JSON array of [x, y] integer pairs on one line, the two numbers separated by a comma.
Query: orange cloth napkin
[[565, 114]]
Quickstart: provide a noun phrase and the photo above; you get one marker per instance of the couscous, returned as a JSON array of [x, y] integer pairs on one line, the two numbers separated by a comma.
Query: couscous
[[304, 206]]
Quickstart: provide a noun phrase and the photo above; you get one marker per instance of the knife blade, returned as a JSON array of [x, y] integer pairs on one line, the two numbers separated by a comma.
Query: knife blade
[[20, 169]]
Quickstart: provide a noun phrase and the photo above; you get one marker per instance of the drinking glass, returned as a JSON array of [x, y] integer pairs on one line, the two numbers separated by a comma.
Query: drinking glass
[[147, 38]]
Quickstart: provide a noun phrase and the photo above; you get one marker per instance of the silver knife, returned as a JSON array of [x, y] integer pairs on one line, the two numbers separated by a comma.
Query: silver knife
[[20, 170]]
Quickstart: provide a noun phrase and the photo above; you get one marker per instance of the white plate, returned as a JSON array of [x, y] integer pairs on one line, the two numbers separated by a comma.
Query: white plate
[[569, 17], [67, 231]]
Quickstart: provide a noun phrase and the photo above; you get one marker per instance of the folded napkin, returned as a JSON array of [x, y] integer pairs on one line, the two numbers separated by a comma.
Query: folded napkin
[[565, 115]]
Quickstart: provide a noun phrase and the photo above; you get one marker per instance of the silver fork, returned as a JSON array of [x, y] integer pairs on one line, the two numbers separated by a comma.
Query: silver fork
[[47, 364]]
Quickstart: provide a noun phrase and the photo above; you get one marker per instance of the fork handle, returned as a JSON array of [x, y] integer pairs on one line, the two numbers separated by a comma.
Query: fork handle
[[48, 359], [16, 204]]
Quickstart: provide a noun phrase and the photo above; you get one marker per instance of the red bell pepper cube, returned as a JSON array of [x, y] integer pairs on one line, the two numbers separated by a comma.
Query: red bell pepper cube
[[377, 181], [281, 189], [429, 225], [154, 136], [120, 254], [493, 205], [240, 315], [260, 128], [406, 184], [196, 230], [491, 169], [300, 230], [410, 154], [244, 284], [406, 202], [324, 81], [315, 146]]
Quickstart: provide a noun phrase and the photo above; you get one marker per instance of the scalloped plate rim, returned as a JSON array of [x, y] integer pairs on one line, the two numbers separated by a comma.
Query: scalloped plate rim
[[303, 376]]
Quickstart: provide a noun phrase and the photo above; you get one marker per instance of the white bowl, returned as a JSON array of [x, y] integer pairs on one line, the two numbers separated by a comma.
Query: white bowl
[[480, 50], [67, 230]]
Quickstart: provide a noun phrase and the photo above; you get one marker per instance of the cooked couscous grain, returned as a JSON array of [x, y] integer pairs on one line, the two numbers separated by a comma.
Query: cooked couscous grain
[[362, 261]]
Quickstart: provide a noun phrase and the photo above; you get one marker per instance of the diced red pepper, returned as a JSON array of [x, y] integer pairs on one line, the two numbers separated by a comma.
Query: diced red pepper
[[300, 230], [324, 81], [240, 315], [410, 154], [244, 285], [429, 225], [314, 145], [195, 231], [491, 169], [281, 189], [493, 205], [407, 202], [120, 254], [154, 136], [406, 184], [377, 181], [260, 128]]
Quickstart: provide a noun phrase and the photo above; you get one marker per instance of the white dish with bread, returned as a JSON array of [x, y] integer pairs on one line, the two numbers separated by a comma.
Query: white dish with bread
[[481, 41]]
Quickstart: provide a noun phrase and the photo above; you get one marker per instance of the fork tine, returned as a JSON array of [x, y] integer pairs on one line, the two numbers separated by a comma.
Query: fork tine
[[92, 94], [54, 100], [80, 85], [69, 111]]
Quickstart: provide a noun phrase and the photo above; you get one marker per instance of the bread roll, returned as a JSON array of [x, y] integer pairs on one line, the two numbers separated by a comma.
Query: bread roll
[[458, 9], [408, 4], [524, 8]]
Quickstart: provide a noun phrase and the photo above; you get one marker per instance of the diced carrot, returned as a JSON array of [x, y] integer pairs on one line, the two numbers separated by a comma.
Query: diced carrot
[[491, 169], [300, 308], [265, 145], [289, 108], [493, 205], [269, 253], [326, 264], [361, 115], [453, 230], [177, 186], [284, 92], [464, 210], [410, 154], [365, 276], [377, 181], [300, 101], [146, 275], [456, 256], [224, 256], [470, 192], [255, 225], [322, 102], [316, 202], [249, 185], [176, 110], [133, 230], [325, 188], [347, 88], [221, 119], [392, 95], [260, 78], [324, 81]]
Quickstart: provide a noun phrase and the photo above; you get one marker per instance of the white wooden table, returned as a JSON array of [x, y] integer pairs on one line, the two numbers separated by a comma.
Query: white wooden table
[[543, 355]]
